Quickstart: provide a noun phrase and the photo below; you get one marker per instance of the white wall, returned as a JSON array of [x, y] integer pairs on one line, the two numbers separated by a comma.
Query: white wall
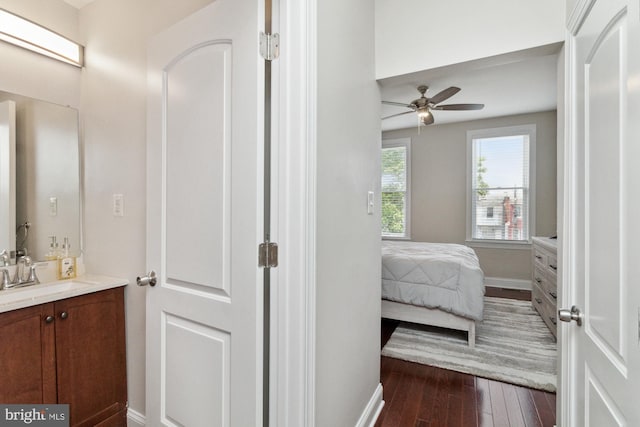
[[113, 114], [348, 242], [414, 35], [438, 187]]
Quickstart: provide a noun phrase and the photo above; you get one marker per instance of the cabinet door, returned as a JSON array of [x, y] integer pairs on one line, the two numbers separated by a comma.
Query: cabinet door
[[90, 354], [27, 356]]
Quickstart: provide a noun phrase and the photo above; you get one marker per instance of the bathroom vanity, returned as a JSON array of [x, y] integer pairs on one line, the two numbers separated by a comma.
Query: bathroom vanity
[[64, 342]]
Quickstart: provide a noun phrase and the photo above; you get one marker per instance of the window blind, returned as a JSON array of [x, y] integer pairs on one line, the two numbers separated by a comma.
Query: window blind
[[395, 191], [500, 188]]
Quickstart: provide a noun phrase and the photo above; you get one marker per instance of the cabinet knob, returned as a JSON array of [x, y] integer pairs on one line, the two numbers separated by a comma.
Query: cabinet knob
[[64, 315], [49, 319]]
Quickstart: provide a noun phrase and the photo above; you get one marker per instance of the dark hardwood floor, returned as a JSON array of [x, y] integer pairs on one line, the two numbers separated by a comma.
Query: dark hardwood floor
[[419, 396]]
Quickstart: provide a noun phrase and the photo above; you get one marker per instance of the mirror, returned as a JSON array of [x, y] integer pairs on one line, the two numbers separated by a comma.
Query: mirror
[[46, 201]]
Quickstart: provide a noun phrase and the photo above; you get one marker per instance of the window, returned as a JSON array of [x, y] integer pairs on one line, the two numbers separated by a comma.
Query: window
[[500, 185], [396, 177], [490, 212]]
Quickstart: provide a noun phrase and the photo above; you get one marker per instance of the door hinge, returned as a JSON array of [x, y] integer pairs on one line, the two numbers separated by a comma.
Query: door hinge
[[269, 46], [268, 255]]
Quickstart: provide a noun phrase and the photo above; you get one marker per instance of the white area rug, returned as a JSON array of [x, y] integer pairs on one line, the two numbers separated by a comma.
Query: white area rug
[[512, 345]]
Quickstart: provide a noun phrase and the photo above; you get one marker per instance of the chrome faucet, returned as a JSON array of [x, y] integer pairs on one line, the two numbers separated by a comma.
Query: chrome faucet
[[5, 278], [21, 271], [4, 258]]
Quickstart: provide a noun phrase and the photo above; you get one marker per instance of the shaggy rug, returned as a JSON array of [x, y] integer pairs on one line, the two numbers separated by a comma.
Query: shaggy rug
[[512, 345]]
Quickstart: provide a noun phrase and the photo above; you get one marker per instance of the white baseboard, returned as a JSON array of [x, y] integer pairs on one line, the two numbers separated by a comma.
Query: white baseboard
[[372, 410], [500, 282], [367, 419], [135, 418]]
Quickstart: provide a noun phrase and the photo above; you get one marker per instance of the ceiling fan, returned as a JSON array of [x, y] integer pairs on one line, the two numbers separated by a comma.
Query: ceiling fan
[[423, 105]]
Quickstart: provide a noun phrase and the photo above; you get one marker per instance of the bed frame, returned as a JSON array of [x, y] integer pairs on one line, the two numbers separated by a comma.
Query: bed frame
[[429, 316]]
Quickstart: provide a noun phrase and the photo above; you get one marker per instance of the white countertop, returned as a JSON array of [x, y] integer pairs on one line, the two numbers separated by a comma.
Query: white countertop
[[12, 299]]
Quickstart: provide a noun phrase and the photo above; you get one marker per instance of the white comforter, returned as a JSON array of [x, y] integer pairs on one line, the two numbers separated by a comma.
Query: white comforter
[[435, 275]]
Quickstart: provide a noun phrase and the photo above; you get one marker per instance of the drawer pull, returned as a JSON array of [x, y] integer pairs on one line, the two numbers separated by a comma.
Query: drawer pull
[[538, 300], [553, 320], [553, 267], [538, 257], [538, 280], [553, 294]]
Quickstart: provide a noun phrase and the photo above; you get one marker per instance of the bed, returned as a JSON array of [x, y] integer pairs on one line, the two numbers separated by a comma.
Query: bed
[[437, 284]]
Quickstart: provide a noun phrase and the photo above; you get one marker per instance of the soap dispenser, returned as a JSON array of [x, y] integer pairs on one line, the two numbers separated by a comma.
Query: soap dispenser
[[66, 262], [52, 255]]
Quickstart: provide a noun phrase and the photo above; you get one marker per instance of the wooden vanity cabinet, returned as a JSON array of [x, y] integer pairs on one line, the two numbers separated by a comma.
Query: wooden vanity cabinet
[[78, 357], [28, 356]]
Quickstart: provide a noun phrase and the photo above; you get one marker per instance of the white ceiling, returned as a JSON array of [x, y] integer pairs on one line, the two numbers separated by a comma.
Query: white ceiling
[[512, 84], [517, 83], [78, 4]]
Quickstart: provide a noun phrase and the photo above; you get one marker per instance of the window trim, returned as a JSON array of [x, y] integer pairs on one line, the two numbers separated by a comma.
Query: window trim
[[392, 143], [530, 130]]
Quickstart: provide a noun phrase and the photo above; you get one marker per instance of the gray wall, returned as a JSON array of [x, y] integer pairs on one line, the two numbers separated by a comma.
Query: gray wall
[[438, 187], [348, 242]]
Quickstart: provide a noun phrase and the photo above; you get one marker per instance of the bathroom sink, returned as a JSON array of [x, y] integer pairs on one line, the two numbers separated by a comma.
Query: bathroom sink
[[33, 291], [11, 299]]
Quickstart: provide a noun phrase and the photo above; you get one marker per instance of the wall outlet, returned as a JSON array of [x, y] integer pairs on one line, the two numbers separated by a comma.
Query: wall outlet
[[118, 205], [370, 202]]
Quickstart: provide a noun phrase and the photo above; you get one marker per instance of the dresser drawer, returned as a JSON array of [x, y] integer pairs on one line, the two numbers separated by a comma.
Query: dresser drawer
[[540, 258], [544, 290], [546, 307], [547, 284], [552, 267]]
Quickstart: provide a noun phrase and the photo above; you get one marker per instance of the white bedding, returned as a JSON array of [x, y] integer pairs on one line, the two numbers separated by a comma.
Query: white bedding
[[435, 275]]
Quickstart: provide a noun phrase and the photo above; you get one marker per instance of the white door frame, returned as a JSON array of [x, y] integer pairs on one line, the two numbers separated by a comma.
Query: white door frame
[[566, 230], [293, 215]]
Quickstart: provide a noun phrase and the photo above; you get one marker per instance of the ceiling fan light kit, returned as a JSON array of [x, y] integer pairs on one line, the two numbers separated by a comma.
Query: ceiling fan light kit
[[423, 105]]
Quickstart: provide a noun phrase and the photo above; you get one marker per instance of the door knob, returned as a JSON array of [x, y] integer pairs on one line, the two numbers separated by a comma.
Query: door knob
[[150, 279], [569, 315]]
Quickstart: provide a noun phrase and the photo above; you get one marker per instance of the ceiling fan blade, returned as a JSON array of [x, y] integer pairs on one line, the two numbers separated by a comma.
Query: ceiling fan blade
[[396, 115], [397, 104], [443, 95], [427, 120], [460, 107]]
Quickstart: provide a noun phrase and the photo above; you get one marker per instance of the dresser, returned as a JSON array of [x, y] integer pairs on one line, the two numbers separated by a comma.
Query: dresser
[[544, 292]]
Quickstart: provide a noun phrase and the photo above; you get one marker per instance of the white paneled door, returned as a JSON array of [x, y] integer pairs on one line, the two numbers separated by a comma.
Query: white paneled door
[[602, 260], [204, 146]]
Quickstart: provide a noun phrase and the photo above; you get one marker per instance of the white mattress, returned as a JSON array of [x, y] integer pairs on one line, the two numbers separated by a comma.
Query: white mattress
[[435, 275]]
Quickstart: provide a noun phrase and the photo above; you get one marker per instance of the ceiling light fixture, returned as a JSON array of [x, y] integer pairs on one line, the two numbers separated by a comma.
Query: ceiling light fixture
[[29, 35]]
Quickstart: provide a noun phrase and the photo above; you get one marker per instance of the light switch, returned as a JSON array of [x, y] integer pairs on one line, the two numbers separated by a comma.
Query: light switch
[[53, 206], [118, 205], [370, 202]]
